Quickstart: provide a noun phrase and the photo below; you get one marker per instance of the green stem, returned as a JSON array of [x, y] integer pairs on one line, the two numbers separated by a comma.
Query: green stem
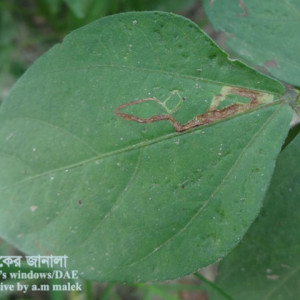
[[213, 286], [88, 290], [107, 291]]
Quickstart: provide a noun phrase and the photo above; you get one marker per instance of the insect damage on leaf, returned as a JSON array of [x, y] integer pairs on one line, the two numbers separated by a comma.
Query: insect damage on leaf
[[243, 7], [214, 112]]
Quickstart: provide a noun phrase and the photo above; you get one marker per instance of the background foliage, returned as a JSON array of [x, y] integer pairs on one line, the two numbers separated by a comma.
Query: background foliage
[[30, 27]]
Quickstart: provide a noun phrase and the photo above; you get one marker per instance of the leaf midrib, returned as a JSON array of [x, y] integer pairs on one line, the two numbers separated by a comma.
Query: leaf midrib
[[134, 147]]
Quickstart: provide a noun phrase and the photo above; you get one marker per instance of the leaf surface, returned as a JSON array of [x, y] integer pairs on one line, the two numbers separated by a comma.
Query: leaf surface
[[265, 265], [264, 33], [130, 201]]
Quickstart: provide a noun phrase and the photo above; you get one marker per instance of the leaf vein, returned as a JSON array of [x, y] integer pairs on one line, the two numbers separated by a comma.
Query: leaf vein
[[218, 188], [121, 196]]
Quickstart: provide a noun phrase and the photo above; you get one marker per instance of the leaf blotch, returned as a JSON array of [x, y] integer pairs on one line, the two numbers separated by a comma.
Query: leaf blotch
[[213, 114]]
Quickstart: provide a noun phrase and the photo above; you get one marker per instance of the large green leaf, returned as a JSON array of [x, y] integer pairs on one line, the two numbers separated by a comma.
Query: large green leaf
[[130, 201], [266, 263], [265, 33]]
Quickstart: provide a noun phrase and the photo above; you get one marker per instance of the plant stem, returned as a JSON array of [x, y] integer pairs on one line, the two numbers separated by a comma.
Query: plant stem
[[88, 290], [107, 291], [213, 286]]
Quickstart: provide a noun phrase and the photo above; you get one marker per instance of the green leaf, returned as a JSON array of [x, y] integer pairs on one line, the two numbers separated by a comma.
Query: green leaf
[[79, 7], [100, 8], [265, 33], [266, 263], [170, 5], [130, 201], [54, 6]]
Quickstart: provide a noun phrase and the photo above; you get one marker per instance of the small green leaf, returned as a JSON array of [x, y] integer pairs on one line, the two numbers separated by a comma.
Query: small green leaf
[[265, 33], [169, 5], [79, 7], [266, 263], [131, 201], [54, 6]]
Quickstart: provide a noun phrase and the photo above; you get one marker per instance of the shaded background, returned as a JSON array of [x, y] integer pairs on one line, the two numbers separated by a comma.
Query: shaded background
[[28, 28]]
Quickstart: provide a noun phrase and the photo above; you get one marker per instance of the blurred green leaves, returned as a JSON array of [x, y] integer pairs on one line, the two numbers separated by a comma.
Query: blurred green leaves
[[264, 33], [71, 14], [7, 35], [28, 28]]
